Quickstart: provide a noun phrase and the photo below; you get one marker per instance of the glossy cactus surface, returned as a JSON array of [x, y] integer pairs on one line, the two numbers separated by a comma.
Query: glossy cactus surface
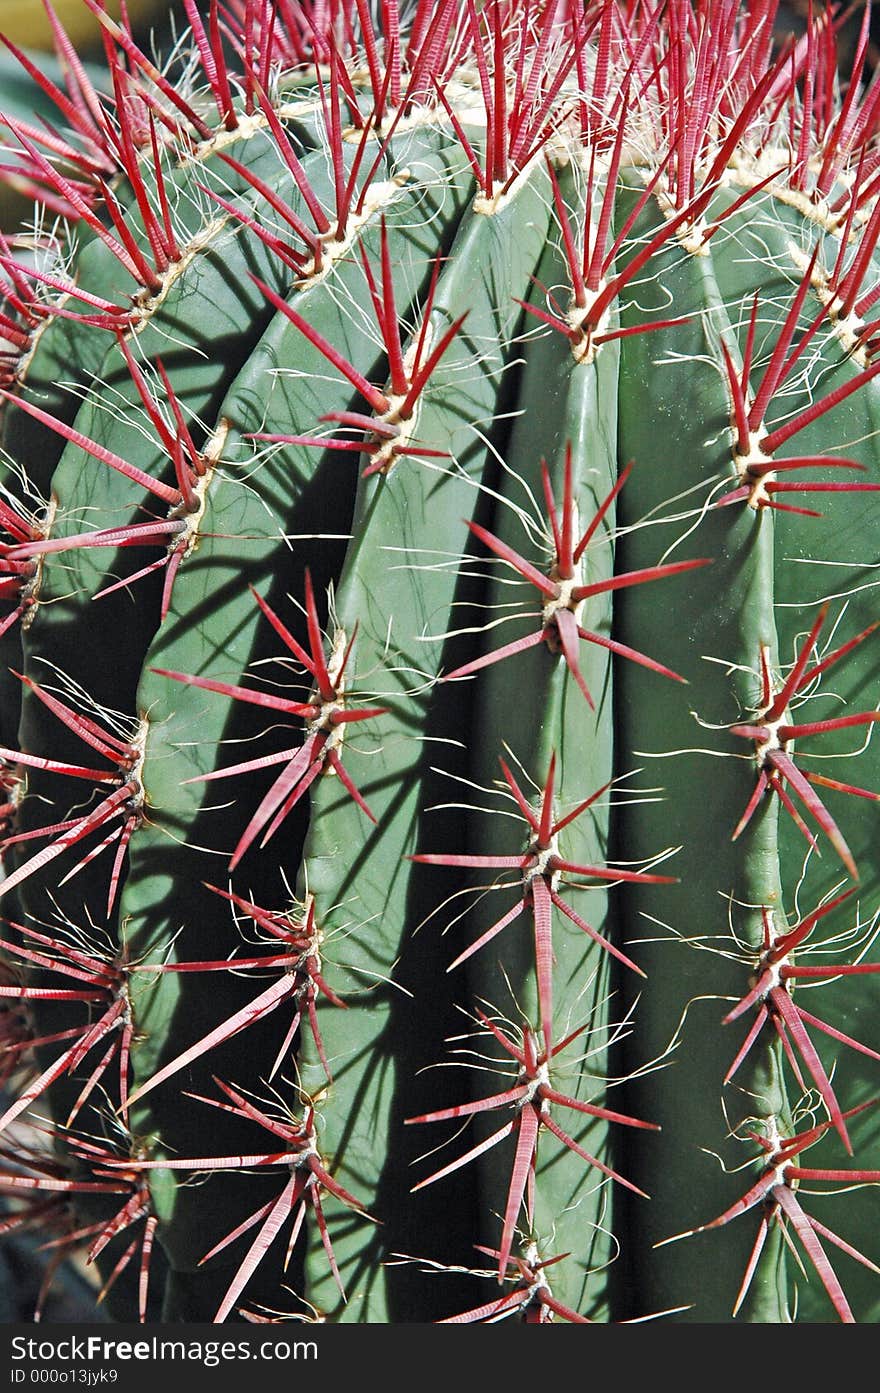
[[439, 668]]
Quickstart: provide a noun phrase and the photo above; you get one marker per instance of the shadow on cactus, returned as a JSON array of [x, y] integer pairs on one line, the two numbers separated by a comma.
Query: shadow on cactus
[[387, 391]]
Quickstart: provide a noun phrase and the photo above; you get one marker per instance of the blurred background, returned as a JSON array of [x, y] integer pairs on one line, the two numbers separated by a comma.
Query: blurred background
[[26, 21]]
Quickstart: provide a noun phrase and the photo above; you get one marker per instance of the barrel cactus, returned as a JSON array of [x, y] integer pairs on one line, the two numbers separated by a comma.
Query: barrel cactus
[[439, 674]]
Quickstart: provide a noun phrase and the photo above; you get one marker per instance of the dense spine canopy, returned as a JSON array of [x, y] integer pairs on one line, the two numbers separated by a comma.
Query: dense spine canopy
[[439, 669]]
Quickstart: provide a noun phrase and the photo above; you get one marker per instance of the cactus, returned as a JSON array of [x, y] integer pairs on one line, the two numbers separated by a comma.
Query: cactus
[[439, 673]]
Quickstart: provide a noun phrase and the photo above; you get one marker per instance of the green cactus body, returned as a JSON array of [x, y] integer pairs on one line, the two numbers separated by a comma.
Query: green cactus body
[[438, 728]]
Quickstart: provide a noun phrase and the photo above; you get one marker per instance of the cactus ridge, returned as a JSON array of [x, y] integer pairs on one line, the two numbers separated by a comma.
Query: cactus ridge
[[438, 674]]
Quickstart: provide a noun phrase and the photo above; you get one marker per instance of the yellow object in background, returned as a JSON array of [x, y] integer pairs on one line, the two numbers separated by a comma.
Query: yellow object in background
[[26, 23]]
